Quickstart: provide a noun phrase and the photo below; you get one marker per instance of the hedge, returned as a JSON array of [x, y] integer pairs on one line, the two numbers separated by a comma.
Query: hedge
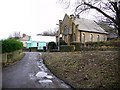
[[108, 45], [10, 45], [78, 46], [115, 43], [96, 44], [67, 48]]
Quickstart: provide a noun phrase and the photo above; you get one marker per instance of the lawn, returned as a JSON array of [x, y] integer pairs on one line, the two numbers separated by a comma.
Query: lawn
[[88, 69]]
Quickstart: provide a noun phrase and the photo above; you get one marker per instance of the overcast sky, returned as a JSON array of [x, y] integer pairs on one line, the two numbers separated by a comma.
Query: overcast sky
[[29, 16]]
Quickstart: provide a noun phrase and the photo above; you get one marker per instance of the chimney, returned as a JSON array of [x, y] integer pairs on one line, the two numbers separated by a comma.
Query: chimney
[[60, 26], [24, 35], [60, 21], [72, 17]]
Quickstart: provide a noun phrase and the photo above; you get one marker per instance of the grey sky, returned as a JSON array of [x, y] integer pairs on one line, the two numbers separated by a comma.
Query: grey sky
[[29, 16]]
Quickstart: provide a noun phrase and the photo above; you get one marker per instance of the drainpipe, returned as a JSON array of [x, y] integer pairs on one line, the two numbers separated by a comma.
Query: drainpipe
[[59, 42]]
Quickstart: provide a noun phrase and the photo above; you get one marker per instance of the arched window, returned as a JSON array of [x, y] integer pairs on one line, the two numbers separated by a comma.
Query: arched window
[[74, 37], [83, 38], [66, 30], [98, 38], [91, 37]]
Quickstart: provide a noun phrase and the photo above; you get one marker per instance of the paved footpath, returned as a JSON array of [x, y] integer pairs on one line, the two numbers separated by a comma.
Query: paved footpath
[[30, 72]]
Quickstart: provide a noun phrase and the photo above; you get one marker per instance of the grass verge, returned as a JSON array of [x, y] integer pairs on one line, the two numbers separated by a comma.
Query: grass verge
[[88, 69]]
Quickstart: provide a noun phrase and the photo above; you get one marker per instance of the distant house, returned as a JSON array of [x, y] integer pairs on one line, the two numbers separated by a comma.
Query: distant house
[[75, 29], [24, 39], [40, 41]]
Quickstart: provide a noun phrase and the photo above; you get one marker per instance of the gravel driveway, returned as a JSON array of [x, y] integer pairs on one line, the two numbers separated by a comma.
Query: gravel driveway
[[30, 72]]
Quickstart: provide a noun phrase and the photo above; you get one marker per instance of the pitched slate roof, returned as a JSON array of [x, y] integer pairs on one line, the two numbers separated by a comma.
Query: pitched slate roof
[[88, 25], [43, 38]]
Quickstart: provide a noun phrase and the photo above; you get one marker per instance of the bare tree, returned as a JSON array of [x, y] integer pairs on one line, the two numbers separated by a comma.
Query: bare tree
[[107, 28], [10, 36], [110, 9], [49, 33], [15, 35]]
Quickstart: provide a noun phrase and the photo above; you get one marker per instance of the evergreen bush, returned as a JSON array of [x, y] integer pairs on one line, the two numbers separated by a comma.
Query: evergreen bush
[[10, 45], [52, 45], [62, 42]]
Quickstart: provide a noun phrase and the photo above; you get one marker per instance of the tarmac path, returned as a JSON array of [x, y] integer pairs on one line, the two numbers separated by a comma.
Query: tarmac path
[[30, 72]]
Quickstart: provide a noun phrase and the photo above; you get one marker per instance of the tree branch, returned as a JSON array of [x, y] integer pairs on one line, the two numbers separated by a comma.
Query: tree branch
[[99, 10]]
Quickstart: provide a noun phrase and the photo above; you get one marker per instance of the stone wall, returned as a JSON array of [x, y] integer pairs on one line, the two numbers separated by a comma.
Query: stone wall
[[102, 37], [11, 57]]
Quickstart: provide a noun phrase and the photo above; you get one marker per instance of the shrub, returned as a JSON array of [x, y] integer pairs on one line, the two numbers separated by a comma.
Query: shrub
[[62, 42], [44, 48], [115, 43], [67, 48], [52, 45], [10, 45]]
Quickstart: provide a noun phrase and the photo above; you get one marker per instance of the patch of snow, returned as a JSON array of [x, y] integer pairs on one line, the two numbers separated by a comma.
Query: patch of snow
[[41, 74], [41, 68], [40, 54], [45, 81], [49, 77]]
